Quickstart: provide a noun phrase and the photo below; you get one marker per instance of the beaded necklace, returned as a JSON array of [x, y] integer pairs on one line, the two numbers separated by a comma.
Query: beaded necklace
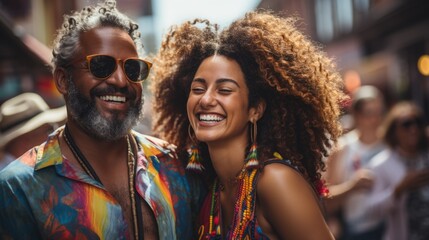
[[134, 198], [243, 209]]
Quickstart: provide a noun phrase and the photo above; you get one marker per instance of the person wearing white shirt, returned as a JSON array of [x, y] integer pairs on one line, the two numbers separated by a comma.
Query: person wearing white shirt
[[400, 193], [347, 175]]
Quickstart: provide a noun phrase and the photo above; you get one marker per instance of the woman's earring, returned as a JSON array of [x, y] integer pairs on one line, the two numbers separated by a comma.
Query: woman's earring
[[195, 161], [252, 156]]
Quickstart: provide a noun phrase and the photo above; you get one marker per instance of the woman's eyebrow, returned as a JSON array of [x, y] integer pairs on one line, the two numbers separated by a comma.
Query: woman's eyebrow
[[222, 80]]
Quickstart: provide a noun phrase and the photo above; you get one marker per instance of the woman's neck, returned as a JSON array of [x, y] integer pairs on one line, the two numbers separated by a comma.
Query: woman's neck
[[227, 160], [408, 152]]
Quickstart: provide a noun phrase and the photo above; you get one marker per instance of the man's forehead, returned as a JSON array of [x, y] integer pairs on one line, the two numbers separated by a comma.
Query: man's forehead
[[105, 39]]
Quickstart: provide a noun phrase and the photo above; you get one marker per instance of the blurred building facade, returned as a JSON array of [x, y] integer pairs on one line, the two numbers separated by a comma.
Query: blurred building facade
[[23, 61], [377, 42]]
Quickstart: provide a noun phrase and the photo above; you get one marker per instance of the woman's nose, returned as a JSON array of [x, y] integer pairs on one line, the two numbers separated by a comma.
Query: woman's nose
[[208, 100]]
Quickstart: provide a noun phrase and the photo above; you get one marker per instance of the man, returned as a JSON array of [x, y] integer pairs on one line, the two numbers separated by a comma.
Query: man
[[25, 121], [96, 178]]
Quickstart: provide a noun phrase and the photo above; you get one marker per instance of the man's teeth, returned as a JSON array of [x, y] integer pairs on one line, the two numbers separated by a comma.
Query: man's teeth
[[211, 117], [113, 98]]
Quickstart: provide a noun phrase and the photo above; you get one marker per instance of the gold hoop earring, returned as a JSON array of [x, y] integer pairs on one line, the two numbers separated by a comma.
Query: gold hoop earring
[[192, 137], [253, 131]]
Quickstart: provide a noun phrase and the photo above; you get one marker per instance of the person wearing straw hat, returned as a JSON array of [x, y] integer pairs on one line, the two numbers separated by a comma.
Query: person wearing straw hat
[[95, 177], [25, 121]]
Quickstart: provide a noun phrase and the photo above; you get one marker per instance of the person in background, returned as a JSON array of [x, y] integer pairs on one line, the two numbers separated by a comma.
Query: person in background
[[401, 172], [257, 107], [96, 178], [347, 175], [25, 121]]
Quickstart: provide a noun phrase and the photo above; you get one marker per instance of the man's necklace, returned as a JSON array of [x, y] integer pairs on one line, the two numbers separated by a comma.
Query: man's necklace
[[134, 198]]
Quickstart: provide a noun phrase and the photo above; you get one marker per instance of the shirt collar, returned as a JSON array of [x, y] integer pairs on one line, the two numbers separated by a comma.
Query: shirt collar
[[50, 153]]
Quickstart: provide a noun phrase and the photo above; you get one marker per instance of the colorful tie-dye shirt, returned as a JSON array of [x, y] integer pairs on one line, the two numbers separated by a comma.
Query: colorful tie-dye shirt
[[44, 196]]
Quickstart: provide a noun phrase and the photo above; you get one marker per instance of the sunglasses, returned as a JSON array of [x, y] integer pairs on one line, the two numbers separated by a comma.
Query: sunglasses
[[408, 123], [103, 66]]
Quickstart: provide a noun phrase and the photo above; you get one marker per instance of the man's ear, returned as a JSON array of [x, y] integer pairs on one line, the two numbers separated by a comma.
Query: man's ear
[[258, 111], [60, 79]]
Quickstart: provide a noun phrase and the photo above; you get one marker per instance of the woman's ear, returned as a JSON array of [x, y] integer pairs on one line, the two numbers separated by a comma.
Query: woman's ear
[[60, 79], [258, 111]]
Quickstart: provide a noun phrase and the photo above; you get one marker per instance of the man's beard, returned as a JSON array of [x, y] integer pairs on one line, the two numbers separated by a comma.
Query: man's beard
[[85, 113]]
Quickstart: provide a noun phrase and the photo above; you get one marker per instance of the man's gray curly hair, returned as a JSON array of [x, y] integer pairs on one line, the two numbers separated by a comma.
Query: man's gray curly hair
[[66, 43]]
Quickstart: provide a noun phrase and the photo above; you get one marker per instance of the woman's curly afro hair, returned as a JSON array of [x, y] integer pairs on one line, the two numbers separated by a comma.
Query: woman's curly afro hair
[[299, 83]]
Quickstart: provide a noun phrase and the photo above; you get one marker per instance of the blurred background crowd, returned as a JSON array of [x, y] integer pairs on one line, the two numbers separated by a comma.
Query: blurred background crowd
[[381, 48]]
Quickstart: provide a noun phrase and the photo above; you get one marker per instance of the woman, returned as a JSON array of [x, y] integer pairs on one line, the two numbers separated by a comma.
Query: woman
[[401, 185], [257, 103]]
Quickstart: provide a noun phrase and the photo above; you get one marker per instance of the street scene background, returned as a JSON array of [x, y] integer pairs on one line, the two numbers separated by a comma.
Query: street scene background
[[384, 43]]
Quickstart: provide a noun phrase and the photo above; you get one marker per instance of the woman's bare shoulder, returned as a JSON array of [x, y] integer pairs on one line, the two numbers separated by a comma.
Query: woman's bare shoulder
[[289, 203]]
